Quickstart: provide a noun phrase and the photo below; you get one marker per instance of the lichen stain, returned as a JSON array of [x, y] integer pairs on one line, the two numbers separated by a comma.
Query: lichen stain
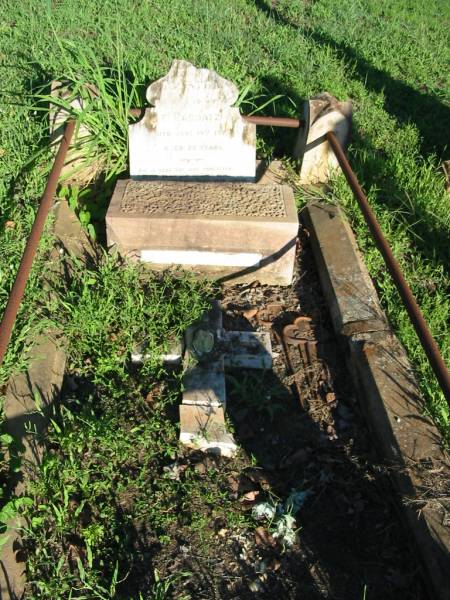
[[249, 134], [150, 119]]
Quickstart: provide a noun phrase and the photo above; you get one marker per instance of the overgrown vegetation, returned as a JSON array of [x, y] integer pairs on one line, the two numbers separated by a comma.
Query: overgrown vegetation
[[391, 59], [97, 479]]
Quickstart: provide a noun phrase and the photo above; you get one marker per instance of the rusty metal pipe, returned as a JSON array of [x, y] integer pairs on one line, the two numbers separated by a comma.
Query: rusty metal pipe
[[18, 288], [258, 120], [273, 121], [415, 314]]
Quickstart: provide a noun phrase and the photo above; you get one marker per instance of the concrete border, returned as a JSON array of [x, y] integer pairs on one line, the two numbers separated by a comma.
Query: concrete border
[[29, 400], [405, 438]]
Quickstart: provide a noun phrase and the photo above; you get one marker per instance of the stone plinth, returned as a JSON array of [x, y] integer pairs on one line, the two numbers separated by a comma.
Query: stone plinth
[[231, 231]]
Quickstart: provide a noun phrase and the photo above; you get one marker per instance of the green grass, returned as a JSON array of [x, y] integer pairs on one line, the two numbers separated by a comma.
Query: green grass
[[392, 59], [106, 443]]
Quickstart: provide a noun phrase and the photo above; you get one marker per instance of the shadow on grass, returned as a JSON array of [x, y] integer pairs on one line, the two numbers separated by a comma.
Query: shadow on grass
[[407, 104]]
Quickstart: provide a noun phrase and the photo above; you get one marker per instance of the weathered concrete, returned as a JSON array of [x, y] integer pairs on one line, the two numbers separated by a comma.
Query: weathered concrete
[[347, 286], [204, 384], [246, 349], [405, 437], [193, 131], [28, 403], [233, 232], [75, 169], [317, 158], [204, 428]]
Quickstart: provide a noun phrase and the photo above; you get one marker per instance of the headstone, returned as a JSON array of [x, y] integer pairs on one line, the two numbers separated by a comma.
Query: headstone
[[192, 129], [192, 200]]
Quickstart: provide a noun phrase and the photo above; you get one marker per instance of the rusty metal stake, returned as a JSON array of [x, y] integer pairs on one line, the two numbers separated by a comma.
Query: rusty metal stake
[[426, 339], [18, 288], [257, 119]]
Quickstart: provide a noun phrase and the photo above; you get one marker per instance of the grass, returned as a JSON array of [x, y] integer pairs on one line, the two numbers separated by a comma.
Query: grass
[[391, 59], [97, 479]]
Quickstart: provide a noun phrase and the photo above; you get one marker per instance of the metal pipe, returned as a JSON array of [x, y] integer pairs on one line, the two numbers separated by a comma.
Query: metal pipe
[[18, 288], [426, 339], [273, 121], [258, 120]]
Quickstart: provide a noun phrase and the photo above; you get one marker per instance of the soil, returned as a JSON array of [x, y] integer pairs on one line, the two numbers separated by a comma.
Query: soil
[[350, 543]]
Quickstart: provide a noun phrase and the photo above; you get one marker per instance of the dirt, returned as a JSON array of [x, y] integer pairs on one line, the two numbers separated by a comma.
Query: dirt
[[350, 543]]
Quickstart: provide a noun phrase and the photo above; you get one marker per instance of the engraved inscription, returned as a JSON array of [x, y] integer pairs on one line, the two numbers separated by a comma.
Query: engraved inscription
[[193, 130], [204, 199]]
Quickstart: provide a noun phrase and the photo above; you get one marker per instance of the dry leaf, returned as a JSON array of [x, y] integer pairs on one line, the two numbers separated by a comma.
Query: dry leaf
[[330, 397], [263, 538], [250, 313], [250, 496]]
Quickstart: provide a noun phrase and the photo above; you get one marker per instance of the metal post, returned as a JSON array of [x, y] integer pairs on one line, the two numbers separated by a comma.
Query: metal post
[[18, 288]]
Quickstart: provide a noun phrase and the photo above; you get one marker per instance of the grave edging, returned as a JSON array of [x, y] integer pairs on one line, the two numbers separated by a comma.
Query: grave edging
[[44, 377], [384, 380]]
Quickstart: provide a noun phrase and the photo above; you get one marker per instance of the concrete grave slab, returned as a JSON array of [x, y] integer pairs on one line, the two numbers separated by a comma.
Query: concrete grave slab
[[235, 232], [405, 437], [192, 131]]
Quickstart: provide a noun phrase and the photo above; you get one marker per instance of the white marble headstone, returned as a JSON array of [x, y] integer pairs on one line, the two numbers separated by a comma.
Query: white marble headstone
[[192, 131]]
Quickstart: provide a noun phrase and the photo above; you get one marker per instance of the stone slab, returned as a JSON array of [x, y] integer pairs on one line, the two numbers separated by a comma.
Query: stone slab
[[204, 428], [246, 349], [390, 398], [27, 405], [204, 384], [230, 231], [193, 130], [347, 286], [406, 438]]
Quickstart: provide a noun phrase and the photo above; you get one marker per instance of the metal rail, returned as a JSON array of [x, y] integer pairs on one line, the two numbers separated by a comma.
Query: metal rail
[[18, 288], [415, 314], [258, 120]]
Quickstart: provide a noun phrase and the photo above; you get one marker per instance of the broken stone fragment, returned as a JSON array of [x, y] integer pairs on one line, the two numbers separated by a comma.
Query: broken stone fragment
[[172, 357], [204, 428], [246, 349], [205, 384], [325, 113]]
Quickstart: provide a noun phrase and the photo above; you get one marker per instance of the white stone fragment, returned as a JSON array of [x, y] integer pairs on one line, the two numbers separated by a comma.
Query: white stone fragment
[[247, 349], [205, 385]]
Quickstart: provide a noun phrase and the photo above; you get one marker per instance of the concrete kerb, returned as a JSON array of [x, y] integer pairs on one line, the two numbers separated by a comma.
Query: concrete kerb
[[405, 438], [29, 400]]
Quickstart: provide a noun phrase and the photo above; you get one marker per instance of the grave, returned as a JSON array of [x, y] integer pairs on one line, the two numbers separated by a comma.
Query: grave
[[192, 199], [207, 350]]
